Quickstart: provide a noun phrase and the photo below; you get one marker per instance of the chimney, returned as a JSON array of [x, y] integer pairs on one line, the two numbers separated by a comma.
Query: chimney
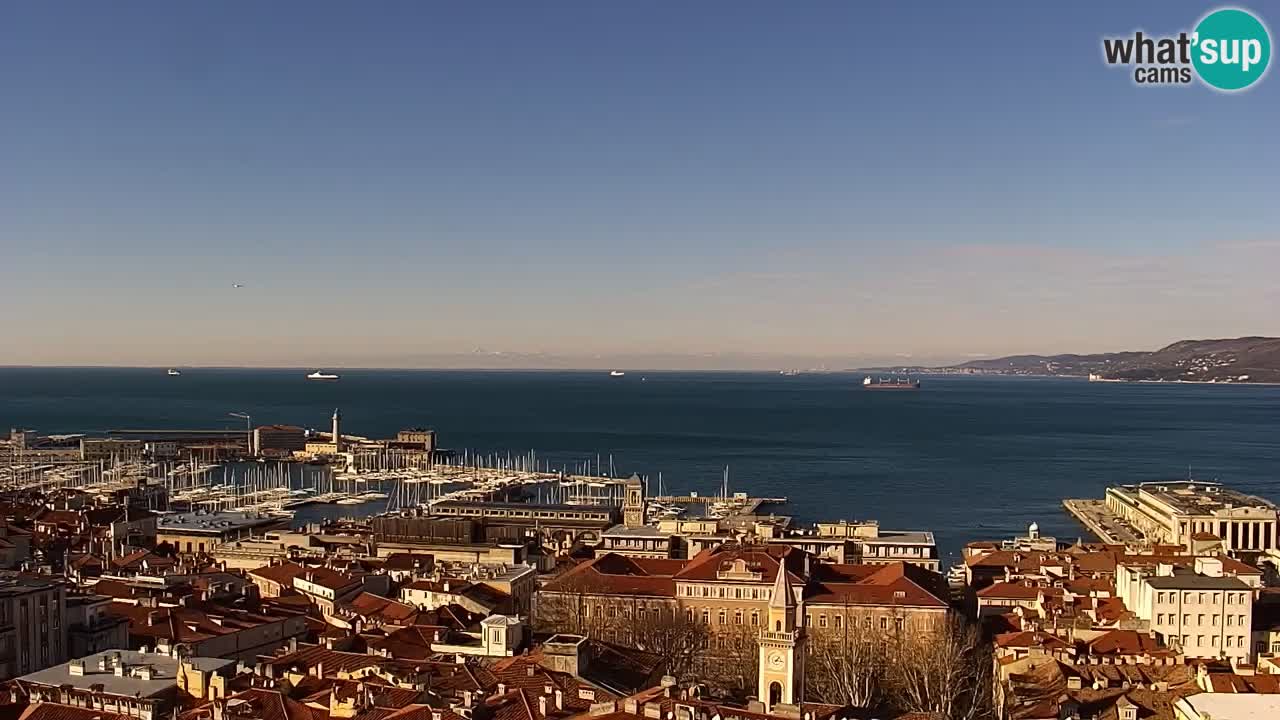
[[559, 700], [502, 688], [76, 668], [542, 705], [466, 698], [319, 669]]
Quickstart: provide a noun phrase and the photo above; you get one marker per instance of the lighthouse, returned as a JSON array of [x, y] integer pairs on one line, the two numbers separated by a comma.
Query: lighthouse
[[337, 432]]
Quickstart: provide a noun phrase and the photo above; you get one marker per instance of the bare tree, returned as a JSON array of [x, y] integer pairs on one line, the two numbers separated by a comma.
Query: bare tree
[[945, 671], [575, 605], [732, 662], [846, 666], [668, 633]]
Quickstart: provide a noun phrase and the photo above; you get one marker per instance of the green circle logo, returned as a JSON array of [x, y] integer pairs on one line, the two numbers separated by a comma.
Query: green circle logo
[[1232, 49]]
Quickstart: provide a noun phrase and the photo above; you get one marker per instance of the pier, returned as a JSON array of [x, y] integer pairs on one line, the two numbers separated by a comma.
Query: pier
[[1104, 524], [740, 505]]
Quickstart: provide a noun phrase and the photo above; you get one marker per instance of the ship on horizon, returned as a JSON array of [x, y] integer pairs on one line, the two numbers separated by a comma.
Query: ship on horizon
[[321, 375], [893, 383]]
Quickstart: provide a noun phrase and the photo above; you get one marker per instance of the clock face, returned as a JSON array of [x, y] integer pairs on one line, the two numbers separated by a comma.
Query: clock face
[[777, 660]]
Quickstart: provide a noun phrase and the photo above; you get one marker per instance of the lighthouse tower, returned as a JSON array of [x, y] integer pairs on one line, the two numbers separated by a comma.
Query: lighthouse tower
[[337, 432]]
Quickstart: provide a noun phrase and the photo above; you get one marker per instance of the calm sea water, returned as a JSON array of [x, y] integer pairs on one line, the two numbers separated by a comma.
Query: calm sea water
[[965, 457]]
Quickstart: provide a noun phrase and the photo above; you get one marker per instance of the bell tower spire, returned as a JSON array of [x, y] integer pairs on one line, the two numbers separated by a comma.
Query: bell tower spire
[[781, 646]]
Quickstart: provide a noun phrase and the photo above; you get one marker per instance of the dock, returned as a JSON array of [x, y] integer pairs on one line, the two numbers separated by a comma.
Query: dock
[[1098, 519], [740, 505]]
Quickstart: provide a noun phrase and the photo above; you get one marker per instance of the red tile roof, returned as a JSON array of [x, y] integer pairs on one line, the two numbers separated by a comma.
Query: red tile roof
[[896, 584], [618, 575], [282, 574], [1010, 591], [54, 711]]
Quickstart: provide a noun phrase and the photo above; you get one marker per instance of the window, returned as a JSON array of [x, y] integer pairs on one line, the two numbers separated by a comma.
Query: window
[[1199, 640], [1200, 619], [737, 617], [1186, 619], [1229, 640], [866, 622], [1240, 621], [1217, 598], [755, 618], [884, 623], [1186, 597], [1202, 600], [706, 616], [1213, 641], [1231, 598], [899, 623], [1159, 618], [839, 621], [723, 617], [1217, 620], [822, 620], [1230, 620]]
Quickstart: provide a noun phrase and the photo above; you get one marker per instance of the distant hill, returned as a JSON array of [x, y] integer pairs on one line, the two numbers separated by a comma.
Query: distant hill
[[1246, 359]]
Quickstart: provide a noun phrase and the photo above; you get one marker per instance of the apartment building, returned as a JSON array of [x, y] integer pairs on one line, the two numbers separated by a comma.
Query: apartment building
[[33, 624], [1198, 609], [143, 685]]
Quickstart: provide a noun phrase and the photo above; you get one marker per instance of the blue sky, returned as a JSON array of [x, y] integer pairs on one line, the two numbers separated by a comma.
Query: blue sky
[[619, 179]]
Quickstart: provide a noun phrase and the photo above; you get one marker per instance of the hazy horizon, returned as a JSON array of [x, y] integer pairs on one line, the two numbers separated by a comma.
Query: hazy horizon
[[728, 185]]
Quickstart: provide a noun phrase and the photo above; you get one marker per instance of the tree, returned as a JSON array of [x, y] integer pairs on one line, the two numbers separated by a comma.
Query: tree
[[671, 635], [846, 666], [946, 671]]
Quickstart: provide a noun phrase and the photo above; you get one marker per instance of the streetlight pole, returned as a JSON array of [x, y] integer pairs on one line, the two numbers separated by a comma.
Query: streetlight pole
[[248, 430]]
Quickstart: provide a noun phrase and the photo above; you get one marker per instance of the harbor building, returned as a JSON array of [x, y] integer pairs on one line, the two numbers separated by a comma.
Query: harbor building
[[417, 439], [1198, 608], [94, 449], [1178, 512], [285, 439], [201, 531]]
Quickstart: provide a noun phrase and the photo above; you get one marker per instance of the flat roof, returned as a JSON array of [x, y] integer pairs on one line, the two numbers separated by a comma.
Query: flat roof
[[525, 506], [1192, 581], [213, 523], [1189, 497], [643, 531], [164, 671], [15, 584], [1237, 706], [915, 537]]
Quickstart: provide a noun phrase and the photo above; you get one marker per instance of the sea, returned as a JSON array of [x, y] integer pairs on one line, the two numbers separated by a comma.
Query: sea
[[966, 457]]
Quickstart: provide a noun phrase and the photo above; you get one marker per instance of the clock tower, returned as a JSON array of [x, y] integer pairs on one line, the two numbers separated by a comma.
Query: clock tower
[[781, 648]]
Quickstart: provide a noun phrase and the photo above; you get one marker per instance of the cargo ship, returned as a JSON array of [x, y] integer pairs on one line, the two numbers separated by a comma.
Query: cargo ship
[[871, 383]]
